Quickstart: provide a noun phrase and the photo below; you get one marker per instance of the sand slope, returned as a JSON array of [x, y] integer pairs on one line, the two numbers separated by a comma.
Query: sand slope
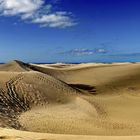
[[60, 101]]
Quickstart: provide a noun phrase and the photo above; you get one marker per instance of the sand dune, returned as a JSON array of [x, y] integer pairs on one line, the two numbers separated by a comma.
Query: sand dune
[[14, 66], [70, 102]]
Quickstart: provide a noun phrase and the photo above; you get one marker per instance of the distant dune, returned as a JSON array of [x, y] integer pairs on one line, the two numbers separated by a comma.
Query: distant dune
[[69, 101]]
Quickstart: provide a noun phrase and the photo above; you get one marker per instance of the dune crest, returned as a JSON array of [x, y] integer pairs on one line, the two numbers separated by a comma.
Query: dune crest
[[14, 66]]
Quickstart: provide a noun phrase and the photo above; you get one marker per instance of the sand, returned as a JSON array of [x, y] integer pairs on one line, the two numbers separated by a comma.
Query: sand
[[70, 101]]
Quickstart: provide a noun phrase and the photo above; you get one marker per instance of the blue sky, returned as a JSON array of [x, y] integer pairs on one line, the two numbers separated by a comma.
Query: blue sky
[[70, 30]]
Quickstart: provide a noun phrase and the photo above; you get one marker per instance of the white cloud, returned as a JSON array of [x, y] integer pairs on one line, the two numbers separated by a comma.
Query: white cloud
[[35, 11], [58, 19], [14, 7], [85, 51]]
